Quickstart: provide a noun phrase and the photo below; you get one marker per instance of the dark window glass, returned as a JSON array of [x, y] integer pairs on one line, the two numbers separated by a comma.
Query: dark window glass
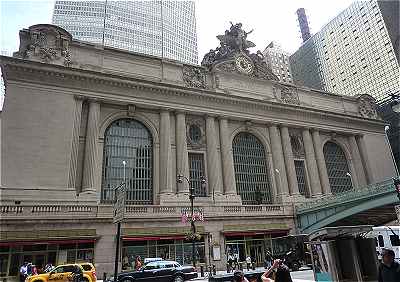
[[301, 177], [380, 241], [251, 172], [196, 170], [394, 240], [338, 170], [128, 140]]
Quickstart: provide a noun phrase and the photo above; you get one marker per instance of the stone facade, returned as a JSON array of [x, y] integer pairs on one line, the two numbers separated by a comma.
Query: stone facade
[[54, 121]]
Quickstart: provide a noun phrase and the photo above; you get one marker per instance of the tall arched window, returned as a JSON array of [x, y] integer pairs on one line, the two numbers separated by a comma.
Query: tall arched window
[[338, 170], [251, 173], [128, 140]]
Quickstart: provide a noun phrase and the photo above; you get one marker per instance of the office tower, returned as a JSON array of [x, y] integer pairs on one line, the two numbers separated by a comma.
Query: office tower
[[303, 23], [353, 54], [159, 28], [278, 60]]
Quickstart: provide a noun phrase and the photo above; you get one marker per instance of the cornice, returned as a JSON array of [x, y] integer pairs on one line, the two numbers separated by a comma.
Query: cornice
[[79, 77]]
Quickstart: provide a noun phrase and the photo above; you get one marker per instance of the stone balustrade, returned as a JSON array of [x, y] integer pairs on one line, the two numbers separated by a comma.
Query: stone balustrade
[[106, 211]]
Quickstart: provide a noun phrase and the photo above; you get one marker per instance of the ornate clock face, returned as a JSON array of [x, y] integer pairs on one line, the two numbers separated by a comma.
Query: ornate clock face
[[244, 65]]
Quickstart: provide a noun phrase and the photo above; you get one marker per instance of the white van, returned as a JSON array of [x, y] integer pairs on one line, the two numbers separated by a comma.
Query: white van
[[385, 239]]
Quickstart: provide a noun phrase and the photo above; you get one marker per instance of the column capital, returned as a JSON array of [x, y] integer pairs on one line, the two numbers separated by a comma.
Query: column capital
[[79, 97], [93, 100]]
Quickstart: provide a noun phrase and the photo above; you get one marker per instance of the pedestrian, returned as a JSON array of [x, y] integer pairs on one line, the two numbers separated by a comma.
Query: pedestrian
[[282, 273], [238, 276], [230, 261], [389, 270], [138, 263], [29, 269], [23, 272], [34, 270], [248, 262], [49, 267]]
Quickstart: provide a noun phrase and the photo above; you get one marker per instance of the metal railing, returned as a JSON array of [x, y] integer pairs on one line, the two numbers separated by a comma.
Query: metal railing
[[368, 191]]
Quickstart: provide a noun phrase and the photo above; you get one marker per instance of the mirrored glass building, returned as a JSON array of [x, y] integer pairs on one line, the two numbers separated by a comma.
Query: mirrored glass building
[[159, 28]]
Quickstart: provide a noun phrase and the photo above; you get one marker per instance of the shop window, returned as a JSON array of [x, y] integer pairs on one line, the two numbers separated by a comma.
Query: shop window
[[3, 264], [67, 246], [31, 248]]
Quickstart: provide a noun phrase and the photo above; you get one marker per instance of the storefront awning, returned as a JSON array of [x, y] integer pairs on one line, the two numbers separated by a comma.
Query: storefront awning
[[68, 236], [255, 229]]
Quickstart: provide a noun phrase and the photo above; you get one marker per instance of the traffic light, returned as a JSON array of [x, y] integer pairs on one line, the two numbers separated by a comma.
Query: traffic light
[[396, 182]]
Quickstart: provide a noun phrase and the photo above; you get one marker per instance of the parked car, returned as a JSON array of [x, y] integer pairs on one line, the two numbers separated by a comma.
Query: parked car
[[90, 270], [62, 273], [159, 271]]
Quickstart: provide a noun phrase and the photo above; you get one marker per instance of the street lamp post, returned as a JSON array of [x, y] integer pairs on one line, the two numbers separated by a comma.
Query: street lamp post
[[192, 195]]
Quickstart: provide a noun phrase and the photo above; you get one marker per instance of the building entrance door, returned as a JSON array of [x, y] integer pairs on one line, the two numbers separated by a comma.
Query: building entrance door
[[256, 251]]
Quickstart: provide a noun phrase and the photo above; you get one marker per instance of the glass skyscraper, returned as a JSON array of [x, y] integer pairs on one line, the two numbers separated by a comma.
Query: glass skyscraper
[[159, 28], [353, 54]]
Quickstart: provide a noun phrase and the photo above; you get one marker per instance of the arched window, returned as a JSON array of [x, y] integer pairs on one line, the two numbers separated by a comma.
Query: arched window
[[338, 170], [251, 171], [128, 140]]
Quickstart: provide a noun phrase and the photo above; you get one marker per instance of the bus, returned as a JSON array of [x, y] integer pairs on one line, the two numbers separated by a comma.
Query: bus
[[387, 237]]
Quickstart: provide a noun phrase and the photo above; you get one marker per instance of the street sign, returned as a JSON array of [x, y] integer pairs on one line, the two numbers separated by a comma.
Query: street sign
[[119, 205]]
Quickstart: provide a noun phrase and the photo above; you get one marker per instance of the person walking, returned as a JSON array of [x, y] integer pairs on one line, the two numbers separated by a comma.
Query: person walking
[[238, 276], [138, 263], [230, 261], [389, 270], [23, 272], [49, 267], [248, 262], [282, 273]]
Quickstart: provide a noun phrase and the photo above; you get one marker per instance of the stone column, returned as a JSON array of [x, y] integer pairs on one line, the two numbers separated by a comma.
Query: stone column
[[358, 165], [182, 162], [319, 155], [311, 163], [73, 164], [279, 163], [165, 152], [227, 158], [364, 158], [213, 167], [91, 164], [289, 162]]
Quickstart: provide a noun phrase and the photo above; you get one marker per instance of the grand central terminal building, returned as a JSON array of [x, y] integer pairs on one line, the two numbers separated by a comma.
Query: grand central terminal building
[[75, 111]]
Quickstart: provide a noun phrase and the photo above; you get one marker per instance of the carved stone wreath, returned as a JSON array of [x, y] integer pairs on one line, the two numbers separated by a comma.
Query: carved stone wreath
[[199, 123], [286, 94], [296, 142], [366, 106], [194, 77]]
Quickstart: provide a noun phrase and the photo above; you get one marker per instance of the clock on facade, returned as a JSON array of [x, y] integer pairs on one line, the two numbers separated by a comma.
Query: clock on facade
[[244, 65]]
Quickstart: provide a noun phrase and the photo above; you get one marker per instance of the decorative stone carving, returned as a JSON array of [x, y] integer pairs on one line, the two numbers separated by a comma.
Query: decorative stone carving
[[233, 55], [367, 106], [296, 141], [194, 77], [286, 94], [45, 43], [131, 110], [195, 132]]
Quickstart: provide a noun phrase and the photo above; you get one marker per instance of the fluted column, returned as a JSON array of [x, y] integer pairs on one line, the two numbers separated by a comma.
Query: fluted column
[[278, 159], [311, 163], [227, 158], [358, 165], [213, 166], [319, 155], [289, 162], [364, 158], [91, 163], [165, 152], [73, 163], [182, 162]]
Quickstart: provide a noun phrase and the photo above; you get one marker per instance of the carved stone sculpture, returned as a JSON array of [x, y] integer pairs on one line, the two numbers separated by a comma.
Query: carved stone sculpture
[[194, 77], [233, 55], [45, 43], [367, 106], [286, 94]]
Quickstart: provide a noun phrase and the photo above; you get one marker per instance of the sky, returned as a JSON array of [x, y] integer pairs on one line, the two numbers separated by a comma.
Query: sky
[[270, 19]]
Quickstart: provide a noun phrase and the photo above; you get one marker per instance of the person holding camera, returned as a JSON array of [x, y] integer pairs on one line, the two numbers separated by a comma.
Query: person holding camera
[[281, 273]]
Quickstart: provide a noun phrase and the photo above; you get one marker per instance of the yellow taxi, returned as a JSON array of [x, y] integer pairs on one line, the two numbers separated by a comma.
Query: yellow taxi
[[62, 273]]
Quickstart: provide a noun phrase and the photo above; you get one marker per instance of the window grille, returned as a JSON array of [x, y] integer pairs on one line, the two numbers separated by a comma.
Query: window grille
[[251, 172], [128, 140], [301, 177], [196, 170], [336, 164]]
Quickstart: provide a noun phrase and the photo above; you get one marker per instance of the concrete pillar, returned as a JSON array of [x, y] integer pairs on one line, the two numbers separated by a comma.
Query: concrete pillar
[[213, 166], [227, 158], [165, 153], [311, 163], [91, 164], [182, 162], [279, 163], [73, 164], [319, 155], [364, 158], [289, 162], [358, 164]]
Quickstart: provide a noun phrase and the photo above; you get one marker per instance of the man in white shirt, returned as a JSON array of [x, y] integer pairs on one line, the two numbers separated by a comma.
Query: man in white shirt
[[23, 272]]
